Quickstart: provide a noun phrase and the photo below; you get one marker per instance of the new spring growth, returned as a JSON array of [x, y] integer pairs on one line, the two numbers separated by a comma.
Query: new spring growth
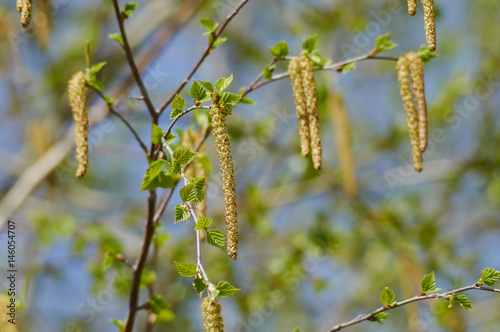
[[219, 114], [26, 8], [300, 106], [404, 80], [19, 6], [430, 23], [78, 102], [412, 7], [212, 314], [417, 74], [309, 84]]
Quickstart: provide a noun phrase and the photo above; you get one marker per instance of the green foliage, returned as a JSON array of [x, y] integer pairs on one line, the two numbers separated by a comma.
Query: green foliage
[[226, 289], [178, 105], [92, 71], [197, 91], [229, 100], [215, 237], [200, 286], [188, 193], [384, 43], [387, 298], [202, 223], [109, 259], [148, 277], [119, 323], [186, 269], [223, 83], [117, 37], [129, 9], [181, 213], [161, 309], [311, 44], [209, 25], [268, 72], [381, 316], [348, 67], [109, 101], [489, 277], [428, 284], [425, 54], [279, 50], [156, 176], [462, 300], [183, 156], [156, 135], [207, 86]]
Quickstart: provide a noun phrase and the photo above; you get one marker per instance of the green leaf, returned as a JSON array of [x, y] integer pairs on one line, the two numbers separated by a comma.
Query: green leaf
[[109, 101], [178, 105], [319, 60], [199, 286], [268, 72], [228, 98], [428, 284], [208, 24], [199, 183], [490, 276], [387, 297], [246, 100], [165, 316], [215, 237], [183, 156], [92, 71], [201, 117], [381, 316], [181, 214], [202, 223], [348, 67], [197, 91], [296, 330], [158, 304], [226, 289], [165, 180], [207, 86], [119, 323], [116, 37], [384, 43], [280, 49], [109, 259], [159, 239], [186, 269], [175, 113], [95, 84], [162, 179], [311, 45], [463, 301], [425, 54], [130, 8], [156, 135], [188, 193], [148, 277], [170, 138], [219, 41], [222, 83]]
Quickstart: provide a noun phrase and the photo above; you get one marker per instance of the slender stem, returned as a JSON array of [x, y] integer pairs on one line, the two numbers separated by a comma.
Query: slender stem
[[192, 108], [121, 117], [207, 51], [131, 61], [446, 296]]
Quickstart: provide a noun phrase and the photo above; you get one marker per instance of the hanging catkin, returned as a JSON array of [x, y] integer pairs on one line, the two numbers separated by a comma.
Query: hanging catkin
[[309, 84], [300, 106], [341, 127], [417, 76], [212, 314], [26, 8], [219, 114], [411, 112], [78, 101], [430, 23], [19, 6], [412, 7]]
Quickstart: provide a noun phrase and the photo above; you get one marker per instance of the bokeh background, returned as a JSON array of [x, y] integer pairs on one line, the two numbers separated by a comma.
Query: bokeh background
[[310, 256]]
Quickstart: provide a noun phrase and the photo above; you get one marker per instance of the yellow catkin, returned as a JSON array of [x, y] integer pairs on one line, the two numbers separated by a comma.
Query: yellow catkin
[[19, 6], [412, 7], [219, 114], [26, 8], [78, 101], [300, 106], [309, 84], [5, 325], [417, 75], [342, 129], [403, 67], [430, 23], [212, 314]]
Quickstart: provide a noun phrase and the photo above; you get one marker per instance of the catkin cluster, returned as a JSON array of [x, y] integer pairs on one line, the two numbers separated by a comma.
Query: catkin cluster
[[78, 102], [212, 314], [341, 126], [189, 139], [306, 104], [219, 114], [410, 72], [429, 20], [25, 7]]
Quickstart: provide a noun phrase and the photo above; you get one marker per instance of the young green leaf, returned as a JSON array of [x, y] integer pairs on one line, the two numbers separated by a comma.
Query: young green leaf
[[229, 99], [163, 180], [116, 37], [215, 237], [463, 301], [425, 54], [200, 286], [222, 83], [202, 223], [170, 138], [148, 277], [181, 214], [246, 100], [119, 323], [319, 60], [197, 91], [178, 105], [109, 101], [129, 9], [280, 49], [489, 276], [183, 156], [201, 117], [92, 71], [348, 67], [156, 134], [109, 259], [175, 113], [381, 316], [158, 303], [226, 289], [387, 298], [268, 72], [95, 84], [186, 269], [428, 284], [188, 193], [208, 24], [159, 239], [207, 86], [311, 45], [384, 43], [219, 41]]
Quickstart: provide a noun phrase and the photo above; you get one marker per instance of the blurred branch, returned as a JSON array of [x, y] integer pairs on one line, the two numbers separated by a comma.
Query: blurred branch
[[446, 296], [209, 48]]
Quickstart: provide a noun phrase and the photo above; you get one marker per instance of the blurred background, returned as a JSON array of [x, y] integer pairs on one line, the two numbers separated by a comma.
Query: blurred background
[[312, 254]]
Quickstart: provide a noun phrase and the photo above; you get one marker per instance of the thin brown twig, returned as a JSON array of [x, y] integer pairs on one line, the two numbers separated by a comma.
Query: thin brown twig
[[131, 61], [446, 296], [207, 51]]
